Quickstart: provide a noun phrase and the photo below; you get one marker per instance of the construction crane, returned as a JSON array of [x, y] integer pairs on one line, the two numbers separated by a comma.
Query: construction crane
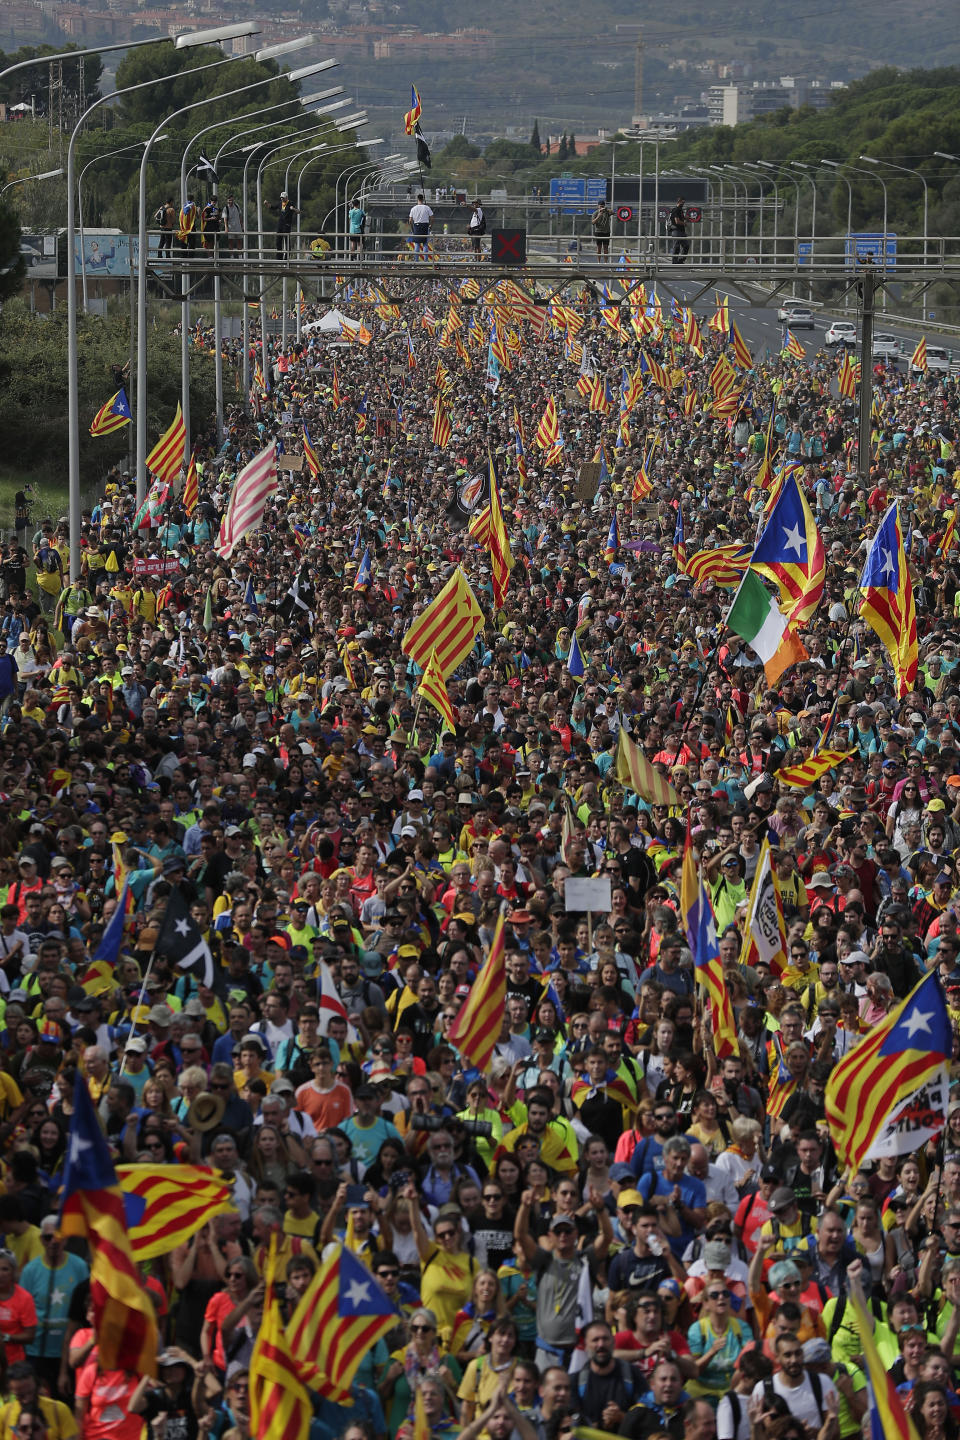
[[637, 72]]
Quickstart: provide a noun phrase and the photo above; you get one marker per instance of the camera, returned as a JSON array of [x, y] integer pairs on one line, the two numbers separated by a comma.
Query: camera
[[427, 1122], [477, 1127]]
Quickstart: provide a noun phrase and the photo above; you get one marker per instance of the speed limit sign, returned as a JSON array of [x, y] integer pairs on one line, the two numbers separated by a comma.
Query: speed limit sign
[[624, 213]]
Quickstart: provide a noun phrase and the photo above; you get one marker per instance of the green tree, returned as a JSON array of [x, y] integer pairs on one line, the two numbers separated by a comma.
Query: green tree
[[11, 261], [562, 147], [459, 148], [33, 385], [535, 138]]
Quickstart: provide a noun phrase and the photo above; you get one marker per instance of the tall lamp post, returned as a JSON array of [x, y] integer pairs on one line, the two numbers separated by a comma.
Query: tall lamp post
[[292, 78], [182, 42], [908, 170]]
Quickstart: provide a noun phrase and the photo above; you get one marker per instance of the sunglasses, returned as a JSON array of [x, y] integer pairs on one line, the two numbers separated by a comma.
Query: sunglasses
[[718, 1295], [425, 1328]]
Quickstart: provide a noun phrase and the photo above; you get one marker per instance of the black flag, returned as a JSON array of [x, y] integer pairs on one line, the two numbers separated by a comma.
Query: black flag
[[469, 497], [423, 149], [205, 170], [180, 941]]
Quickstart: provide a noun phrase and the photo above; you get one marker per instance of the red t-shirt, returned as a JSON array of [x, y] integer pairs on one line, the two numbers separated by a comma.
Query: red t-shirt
[[108, 1416], [17, 1312]]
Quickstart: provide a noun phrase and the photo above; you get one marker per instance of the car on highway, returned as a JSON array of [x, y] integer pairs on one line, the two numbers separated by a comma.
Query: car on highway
[[938, 362], [886, 348], [787, 307], [799, 318], [841, 332]]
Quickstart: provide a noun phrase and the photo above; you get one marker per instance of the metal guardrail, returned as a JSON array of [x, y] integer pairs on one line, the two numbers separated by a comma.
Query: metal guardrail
[[803, 256]]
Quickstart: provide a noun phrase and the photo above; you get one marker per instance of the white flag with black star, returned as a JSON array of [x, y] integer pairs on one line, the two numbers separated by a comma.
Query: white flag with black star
[[180, 941]]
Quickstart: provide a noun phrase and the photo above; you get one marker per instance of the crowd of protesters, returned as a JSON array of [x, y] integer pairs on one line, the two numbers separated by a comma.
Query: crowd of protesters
[[249, 731]]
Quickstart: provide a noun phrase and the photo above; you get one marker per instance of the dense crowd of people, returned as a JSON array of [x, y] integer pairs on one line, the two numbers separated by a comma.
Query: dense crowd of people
[[609, 1228]]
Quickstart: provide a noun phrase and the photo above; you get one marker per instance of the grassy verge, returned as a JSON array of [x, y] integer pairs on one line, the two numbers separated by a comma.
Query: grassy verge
[[47, 495]]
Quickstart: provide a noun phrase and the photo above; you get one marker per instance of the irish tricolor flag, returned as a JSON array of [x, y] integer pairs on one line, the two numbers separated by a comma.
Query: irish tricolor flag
[[755, 617]]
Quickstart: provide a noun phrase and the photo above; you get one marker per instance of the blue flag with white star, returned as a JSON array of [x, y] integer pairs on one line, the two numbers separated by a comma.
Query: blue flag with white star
[[575, 664], [359, 1293]]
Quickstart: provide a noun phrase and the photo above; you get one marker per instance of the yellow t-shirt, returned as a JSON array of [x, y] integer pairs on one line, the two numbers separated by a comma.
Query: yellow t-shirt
[[445, 1285], [59, 1418]]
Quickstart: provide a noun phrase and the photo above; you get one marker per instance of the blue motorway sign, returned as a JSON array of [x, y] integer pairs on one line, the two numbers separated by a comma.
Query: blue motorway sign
[[577, 195], [862, 247], [804, 249]]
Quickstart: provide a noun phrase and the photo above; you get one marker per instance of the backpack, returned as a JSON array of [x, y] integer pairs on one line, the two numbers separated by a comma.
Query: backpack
[[160, 214], [770, 1395]]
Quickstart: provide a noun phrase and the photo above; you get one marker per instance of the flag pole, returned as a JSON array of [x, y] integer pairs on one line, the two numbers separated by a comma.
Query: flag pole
[[143, 991]]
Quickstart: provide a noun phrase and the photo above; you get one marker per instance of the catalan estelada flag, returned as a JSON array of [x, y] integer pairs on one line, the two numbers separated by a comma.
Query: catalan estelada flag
[[792, 346], [413, 114], [342, 1314], [700, 926], [886, 601], [447, 626], [634, 770], [476, 1029], [889, 1093], [310, 454], [113, 415], [411, 356], [885, 1403], [613, 540], [166, 457], [166, 1204], [92, 1207], [433, 688], [790, 553], [280, 1406], [679, 542], [808, 772]]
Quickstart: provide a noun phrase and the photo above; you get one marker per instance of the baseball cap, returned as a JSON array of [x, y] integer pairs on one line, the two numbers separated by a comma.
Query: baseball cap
[[562, 1222], [781, 1199], [629, 1197]]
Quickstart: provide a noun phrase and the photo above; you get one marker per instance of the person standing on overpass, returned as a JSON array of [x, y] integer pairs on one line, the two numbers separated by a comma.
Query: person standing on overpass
[[678, 229], [420, 218]]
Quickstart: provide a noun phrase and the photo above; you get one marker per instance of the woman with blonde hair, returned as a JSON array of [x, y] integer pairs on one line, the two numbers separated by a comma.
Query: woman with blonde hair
[[473, 1322]]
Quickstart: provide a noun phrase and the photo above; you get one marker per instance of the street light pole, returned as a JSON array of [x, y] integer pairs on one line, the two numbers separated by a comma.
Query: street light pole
[[292, 78], [73, 383], [908, 170]]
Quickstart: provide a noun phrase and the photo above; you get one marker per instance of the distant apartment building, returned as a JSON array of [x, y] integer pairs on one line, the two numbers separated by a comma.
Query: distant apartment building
[[736, 104]]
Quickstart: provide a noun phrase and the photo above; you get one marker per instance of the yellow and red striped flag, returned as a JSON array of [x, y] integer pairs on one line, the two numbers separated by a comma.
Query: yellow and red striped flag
[[946, 544], [342, 1314], [907, 1051], [336, 399], [720, 319], [433, 688], [691, 333], [166, 457], [549, 427], [918, 360], [280, 1406], [634, 770], [700, 926], [191, 489], [846, 382], [476, 1029], [808, 772], [792, 346], [448, 625], [92, 1207], [112, 415], [764, 931], [442, 423], [310, 454], [725, 566], [888, 1414], [741, 354], [421, 1424], [166, 1204], [412, 115]]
